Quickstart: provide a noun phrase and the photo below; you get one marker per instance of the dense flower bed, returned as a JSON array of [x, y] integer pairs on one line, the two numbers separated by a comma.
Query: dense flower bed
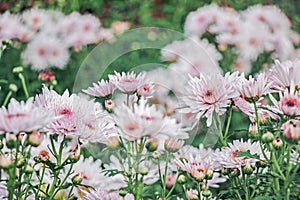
[[130, 136]]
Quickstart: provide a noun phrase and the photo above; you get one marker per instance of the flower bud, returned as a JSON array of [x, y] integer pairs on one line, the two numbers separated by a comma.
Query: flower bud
[[267, 137], [113, 142], [206, 193], [277, 143], [20, 158], [156, 154], [75, 154], [28, 169], [47, 76], [144, 170], [152, 144], [192, 194], [225, 171], [235, 172], [13, 87], [247, 169], [209, 174], [198, 174], [261, 163], [11, 140], [182, 179], [123, 193], [5, 161], [77, 178], [44, 156], [109, 105], [173, 144], [35, 138], [18, 69], [36, 159], [253, 131], [1, 144]]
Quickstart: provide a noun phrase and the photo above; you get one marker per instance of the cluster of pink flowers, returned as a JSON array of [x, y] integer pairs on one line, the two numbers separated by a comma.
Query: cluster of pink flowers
[[50, 34], [248, 33]]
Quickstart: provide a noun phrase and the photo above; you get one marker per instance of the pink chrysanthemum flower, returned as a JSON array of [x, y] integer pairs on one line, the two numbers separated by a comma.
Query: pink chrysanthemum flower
[[206, 95], [254, 87], [228, 157], [291, 129], [199, 163], [127, 82], [44, 52], [289, 103], [101, 89], [80, 117], [139, 121], [284, 74], [23, 116], [36, 18]]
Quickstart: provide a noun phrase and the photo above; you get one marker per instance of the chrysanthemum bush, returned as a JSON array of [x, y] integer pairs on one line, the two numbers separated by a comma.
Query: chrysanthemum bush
[[128, 136]]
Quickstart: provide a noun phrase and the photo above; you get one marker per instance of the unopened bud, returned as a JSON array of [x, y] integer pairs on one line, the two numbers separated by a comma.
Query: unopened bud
[[261, 163], [28, 169], [144, 170], [35, 138], [267, 137], [234, 173], [18, 69], [253, 131], [5, 161], [109, 105], [75, 154], [11, 140], [173, 144], [77, 178], [182, 179], [13, 87], [44, 156], [156, 154], [247, 169], [152, 144], [123, 193], [113, 142], [277, 143], [209, 174], [225, 171], [206, 193]]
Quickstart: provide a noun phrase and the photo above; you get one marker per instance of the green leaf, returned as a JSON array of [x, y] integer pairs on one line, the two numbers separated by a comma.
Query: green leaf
[[247, 154], [112, 172]]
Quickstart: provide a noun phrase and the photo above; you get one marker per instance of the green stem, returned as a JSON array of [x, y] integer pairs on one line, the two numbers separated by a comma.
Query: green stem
[[235, 186], [9, 94], [40, 182], [199, 190], [172, 189], [165, 177], [228, 123], [22, 78]]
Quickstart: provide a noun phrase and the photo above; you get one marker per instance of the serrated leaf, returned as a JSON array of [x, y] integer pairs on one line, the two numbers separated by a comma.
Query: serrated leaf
[[247, 154], [112, 172]]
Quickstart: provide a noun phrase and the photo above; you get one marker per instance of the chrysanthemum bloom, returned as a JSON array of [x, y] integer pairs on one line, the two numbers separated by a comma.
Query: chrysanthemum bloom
[[198, 21], [254, 88], [228, 157], [289, 103], [291, 129], [199, 164], [206, 95], [81, 117], [10, 26], [283, 74], [44, 52], [101, 89], [78, 30], [35, 18], [23, 116], [127, 82]]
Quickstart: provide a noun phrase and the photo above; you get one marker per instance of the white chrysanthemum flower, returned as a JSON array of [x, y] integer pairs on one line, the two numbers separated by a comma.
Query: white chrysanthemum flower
[[46, 51], [198, 21], [206, 95], [140, 121], [24, 116], [36, 18], [199, 162], [101, 89], [81, 117], [10, 26], [254, 87], [228, 157], [283, 74], [127, 82], [78, 30]]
